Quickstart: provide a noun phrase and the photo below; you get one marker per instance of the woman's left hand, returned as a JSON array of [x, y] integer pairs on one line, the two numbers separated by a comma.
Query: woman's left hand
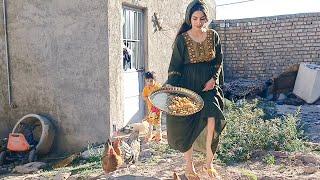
[[210, 85]]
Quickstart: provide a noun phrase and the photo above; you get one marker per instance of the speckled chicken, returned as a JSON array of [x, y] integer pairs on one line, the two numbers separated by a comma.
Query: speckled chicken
[[129, 150], [134, 142]]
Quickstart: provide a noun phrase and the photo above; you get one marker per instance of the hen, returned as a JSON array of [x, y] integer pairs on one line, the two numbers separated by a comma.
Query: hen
[[117, 146], [111, 161]]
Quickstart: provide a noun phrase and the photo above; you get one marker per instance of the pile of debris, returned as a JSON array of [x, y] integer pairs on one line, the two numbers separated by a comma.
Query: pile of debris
[[31, 136], [243, 88], [297, 85]]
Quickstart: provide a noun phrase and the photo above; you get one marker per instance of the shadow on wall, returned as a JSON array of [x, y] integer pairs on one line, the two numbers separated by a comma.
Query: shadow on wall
[[4, 131], [5, 126]]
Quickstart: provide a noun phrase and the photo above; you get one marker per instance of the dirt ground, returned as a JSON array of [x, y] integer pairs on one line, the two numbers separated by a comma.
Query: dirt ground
[[158, 161]]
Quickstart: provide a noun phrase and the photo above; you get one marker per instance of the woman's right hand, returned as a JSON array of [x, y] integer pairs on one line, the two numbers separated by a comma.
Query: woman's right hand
[[210, 85]]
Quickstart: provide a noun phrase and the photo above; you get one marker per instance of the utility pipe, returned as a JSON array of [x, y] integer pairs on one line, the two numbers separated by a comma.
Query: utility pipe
[[7, 54]]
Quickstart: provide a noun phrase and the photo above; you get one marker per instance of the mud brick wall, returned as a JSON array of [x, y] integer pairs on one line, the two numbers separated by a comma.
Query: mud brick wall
[[260, 48]]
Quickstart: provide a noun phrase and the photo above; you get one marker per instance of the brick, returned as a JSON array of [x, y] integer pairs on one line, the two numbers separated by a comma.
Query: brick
[[278, 41]]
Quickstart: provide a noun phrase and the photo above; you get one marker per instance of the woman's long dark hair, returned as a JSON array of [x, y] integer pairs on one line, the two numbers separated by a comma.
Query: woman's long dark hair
[[183, 28], [186, 27]]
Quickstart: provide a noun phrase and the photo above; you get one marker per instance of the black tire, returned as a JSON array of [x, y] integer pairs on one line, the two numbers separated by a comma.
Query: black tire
[[2, 157], [32, 156]]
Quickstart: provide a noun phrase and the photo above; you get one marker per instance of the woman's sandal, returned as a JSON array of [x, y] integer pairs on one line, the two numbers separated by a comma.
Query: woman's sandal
[[211, 172], [192, 176]]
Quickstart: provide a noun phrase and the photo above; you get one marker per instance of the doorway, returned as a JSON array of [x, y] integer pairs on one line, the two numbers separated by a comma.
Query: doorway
[[133, 64]]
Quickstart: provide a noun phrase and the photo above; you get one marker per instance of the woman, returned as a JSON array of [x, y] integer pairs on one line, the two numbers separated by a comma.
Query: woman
[[196, 64]]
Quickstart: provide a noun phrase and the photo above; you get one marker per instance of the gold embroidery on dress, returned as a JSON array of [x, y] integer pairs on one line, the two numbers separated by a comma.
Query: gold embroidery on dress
[[200, 52]]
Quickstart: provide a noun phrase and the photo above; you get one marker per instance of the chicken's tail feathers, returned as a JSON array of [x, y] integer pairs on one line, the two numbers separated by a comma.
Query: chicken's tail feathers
[[133, 136], [176, 176]]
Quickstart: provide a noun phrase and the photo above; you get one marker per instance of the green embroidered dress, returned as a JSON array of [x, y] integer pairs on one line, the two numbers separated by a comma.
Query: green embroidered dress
[[192, 65]]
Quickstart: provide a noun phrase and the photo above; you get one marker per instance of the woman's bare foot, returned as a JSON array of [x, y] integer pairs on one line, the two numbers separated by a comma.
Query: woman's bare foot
[[190, 172], [191, 175]]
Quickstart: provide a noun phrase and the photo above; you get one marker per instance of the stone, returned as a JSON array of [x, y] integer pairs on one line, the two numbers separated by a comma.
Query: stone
[[62, 176], [310, 170], [147, 153], [308, 158], [162, 161], [29, 167], [91, 152], [280, 154], [282, 96], [294, 101]]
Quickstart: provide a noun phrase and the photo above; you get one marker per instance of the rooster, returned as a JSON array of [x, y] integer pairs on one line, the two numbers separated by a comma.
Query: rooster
[[134, 142], [129, 150], [118, 152], [111, 161]]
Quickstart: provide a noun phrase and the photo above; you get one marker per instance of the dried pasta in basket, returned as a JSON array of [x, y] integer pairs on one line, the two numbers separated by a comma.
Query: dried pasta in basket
[[182, 105]]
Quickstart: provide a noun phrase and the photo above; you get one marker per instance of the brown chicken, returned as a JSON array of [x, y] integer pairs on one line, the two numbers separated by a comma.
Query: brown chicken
[[117, 146], [118, 152], [111, 161]]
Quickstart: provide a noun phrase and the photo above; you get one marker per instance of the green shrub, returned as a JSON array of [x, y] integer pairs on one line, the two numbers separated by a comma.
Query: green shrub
[[269, 159], [249, 174], [249, 130]]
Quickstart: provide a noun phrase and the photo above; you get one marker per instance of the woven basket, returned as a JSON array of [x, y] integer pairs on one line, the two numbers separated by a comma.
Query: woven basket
[[162, 97]]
